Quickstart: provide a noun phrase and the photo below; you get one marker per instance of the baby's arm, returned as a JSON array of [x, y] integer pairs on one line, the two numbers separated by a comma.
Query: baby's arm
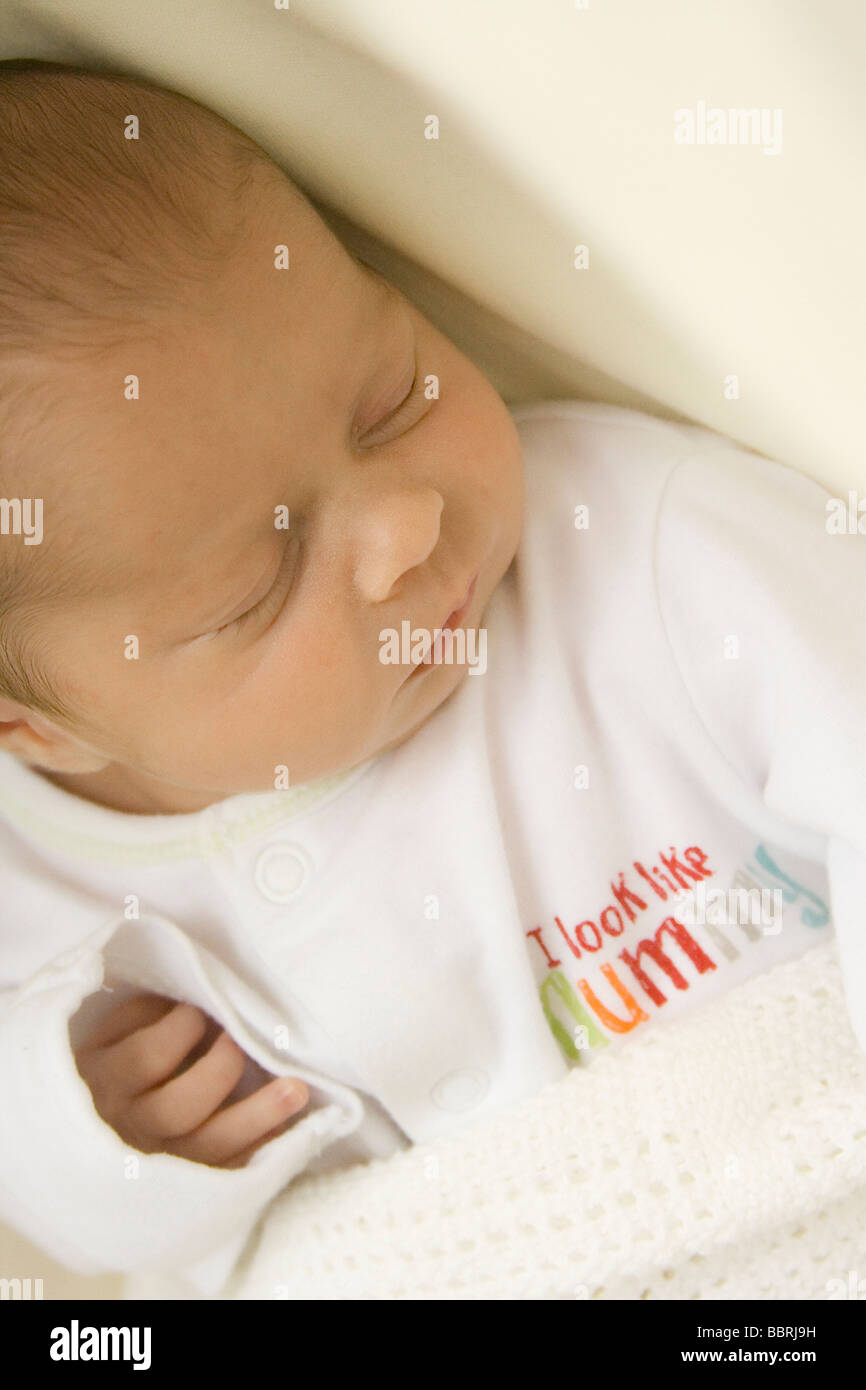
[[763, 603], [161, 1074]]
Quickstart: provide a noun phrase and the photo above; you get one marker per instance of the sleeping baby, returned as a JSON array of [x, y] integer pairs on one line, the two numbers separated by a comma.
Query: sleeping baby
[[371, 753]]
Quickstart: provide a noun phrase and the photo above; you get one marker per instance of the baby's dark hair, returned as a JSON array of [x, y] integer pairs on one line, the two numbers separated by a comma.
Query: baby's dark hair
[[99, 233]]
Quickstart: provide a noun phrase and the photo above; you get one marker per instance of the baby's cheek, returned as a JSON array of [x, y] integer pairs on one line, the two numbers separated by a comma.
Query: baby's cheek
[[321, 693], [499, 476]]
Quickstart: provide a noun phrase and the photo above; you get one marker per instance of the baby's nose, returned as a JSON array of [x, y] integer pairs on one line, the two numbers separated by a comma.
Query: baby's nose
[[395, 534]]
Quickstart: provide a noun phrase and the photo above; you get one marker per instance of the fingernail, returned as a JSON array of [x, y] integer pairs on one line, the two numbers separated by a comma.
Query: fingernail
[[292, 1091]]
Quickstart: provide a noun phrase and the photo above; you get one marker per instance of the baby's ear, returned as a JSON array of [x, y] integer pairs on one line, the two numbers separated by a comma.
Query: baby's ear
[[35, 739]]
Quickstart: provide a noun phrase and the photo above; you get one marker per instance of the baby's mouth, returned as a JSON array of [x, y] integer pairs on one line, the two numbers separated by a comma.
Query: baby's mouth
[[451, 622], [456, 616]]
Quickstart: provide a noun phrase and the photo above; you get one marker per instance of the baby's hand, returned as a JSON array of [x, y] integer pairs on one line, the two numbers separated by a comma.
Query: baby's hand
[[160, 1074]]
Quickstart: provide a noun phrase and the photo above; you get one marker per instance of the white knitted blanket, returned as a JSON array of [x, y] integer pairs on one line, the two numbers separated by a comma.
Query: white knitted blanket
[[721, 1155]]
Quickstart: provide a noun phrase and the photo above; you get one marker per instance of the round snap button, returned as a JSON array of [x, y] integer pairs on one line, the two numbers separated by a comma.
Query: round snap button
[[282, 872], [460, 1090]]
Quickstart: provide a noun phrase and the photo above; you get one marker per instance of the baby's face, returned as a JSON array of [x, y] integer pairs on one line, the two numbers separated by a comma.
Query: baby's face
[[259, 646]]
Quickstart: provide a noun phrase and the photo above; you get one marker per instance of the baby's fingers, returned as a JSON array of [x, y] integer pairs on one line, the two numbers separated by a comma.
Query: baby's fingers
[[181, 1105], [236, 1131], [152, 1054], [139, 1011]]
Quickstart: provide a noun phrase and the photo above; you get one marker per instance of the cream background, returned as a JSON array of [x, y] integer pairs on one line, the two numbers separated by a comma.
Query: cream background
[[556, 128]]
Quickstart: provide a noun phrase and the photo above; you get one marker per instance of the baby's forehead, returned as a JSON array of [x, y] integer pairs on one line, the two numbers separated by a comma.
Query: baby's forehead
[[144, 474]]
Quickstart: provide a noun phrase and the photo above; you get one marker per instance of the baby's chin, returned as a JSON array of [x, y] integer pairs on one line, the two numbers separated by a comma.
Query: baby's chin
[[418, 700]]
